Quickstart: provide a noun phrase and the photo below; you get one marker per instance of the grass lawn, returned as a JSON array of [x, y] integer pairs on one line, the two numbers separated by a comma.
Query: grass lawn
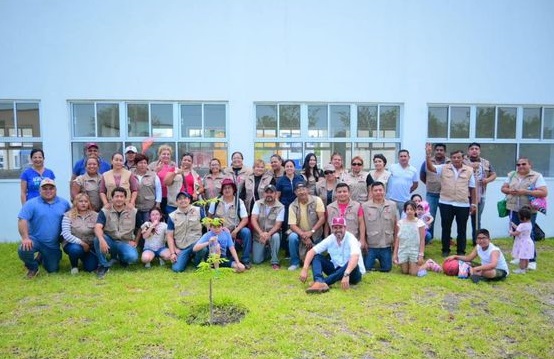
[[139, 313]]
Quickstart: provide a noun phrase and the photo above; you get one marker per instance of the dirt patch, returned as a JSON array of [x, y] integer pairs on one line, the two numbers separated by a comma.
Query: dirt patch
[[223, 314]]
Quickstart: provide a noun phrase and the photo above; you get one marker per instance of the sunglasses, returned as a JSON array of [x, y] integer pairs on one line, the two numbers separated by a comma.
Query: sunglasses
[[357, 164], [521, 164], [328, 173]]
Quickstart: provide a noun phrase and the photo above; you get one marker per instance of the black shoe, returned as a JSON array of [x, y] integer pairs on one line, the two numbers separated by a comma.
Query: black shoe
[[31, 273], [445, 254], [475, 278], [247, 265], [102, 271]]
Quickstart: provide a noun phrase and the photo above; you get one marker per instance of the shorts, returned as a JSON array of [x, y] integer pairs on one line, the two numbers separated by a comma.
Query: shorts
[[157, 252], [499, 275], [407, 256]]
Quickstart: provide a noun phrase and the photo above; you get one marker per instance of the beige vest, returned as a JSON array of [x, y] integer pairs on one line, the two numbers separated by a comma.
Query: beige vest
[[125, 182], [358, 186], [188, 228], [177, 186], [312, 215], [266, 221], [321, 191], [350, 214], [249, 183], [82, 227], [212, 185], [146, 198], [120, 227], [91, 187], [240, 178], [514, 203], [379, 223], [433, 181], [455, 189], [231, 218]]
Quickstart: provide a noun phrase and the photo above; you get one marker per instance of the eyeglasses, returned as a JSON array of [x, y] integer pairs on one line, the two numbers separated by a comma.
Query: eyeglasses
[[521, 164], [357, 164], [328, 173], [481, 237]]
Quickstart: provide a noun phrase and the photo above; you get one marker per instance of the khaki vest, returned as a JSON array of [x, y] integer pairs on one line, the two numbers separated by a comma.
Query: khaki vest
[[514, 203], [480, 173], [321, 191], [91, 187], [125, 182], [120, 227], [350, 214], [312, 215], [379, 223], [212, 185], [177, 186], [231, 218], [249, 183], [433, 181], [455, 189], [188, 228], [82, 227], [358, 186], [146, 197], [240, 178], [267, 221]]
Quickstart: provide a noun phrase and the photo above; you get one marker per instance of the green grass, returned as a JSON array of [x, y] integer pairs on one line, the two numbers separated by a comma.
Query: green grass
[[138, 313]]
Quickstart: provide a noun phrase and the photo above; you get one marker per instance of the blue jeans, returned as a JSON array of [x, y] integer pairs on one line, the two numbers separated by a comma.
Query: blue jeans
[[294, 246], [50, 257], [476, 217], [184, 257], [448, 213], [246, 238], [75, 252], [126, 253], [259, 250], [515, 218], [322, 264], [383, 255], [433, 200], [428, 236]]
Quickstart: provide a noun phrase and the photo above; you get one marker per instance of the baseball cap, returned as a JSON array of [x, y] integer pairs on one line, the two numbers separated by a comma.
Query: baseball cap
[[329, 167], [47, 181], [186, 194], [131, 149], [271, 188], [91, 144], [299, 185], [339, 221]]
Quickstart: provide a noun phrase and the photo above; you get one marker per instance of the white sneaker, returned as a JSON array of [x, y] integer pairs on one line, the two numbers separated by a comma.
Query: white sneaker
[[532, 265], [162, 262], [520, 271], [74, 270], [293, 267], [515, 261], [148, 265]]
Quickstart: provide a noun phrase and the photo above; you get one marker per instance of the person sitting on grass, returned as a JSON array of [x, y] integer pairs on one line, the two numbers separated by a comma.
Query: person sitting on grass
[[409, 243], [345, 264], [153, 232], [493, 264], [226, 244]]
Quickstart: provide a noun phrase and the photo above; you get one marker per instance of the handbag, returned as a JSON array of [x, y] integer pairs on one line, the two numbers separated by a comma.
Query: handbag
[[502, 208], [539, 204]]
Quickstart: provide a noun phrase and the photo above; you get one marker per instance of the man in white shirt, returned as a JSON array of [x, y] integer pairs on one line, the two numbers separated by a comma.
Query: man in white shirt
[[345, 263]]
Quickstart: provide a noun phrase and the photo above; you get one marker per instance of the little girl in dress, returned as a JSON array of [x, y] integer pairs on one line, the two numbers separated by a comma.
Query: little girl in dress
[[524, 248]]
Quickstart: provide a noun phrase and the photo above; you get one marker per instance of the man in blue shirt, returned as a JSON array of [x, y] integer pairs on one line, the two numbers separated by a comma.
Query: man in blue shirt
[[91, 150], [39, 224]]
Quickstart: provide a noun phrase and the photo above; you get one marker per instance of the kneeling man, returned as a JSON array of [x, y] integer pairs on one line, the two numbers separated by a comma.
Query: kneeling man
[[345, 263]]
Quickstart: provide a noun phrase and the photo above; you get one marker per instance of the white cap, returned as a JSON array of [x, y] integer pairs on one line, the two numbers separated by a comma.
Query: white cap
[[131, 149]]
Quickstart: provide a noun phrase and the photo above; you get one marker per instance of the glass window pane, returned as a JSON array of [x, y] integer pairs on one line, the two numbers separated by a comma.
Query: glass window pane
[[548, 124], [541, 157], [317, 121], [266, 121], [7, 119], [389, 119], [459, 122], [137, 117], [191, 120], [287, 150], [506, 122], [289, 121], [484, 127], [324, 150], [214, 121], [152, 150], [532, 123], [105, 150], [84, 123], [28, 123], [162, 119], [502, 156], [367, 121], [14, 157], [437, 122], [108, 119], [202, 153], [340, 121]]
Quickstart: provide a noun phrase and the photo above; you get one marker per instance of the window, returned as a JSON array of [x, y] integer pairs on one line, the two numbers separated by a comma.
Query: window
[[199, 128], [294, 130], [504, 132], [19, 134]]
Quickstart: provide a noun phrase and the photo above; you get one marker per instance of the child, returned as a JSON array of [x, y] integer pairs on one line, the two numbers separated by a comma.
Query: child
[[416, 198], [153, 233], [422, 212], [409, 243], [524, 248]]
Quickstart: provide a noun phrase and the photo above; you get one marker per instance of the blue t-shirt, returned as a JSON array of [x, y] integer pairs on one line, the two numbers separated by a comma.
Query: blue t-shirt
[[286, 187], [80, 167], [224, 238], [33, 179], [44, 219]]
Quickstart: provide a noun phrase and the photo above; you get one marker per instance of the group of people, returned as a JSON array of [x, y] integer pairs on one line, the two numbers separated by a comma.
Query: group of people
[[363, 220]]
